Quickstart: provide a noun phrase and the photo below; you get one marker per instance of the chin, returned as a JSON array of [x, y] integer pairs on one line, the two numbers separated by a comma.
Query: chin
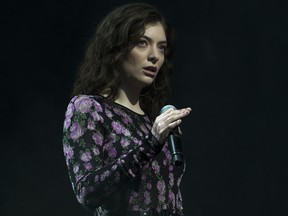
[[149, 80], [146, 82]]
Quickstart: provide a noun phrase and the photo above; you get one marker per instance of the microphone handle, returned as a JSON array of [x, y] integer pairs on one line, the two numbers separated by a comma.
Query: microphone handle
[[175, 146]]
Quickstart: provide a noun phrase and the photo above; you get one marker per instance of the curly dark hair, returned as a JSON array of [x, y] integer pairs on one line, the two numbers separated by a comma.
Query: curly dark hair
[[115, 36]]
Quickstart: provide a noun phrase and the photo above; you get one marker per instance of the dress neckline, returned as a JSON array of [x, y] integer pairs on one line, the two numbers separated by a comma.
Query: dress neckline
[[122, 106]]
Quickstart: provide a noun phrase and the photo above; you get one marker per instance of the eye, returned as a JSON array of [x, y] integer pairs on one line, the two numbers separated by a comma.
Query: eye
[[163, 47], [142, 43]]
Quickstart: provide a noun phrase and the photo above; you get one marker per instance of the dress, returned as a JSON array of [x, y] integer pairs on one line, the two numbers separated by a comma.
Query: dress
[[114, 162]]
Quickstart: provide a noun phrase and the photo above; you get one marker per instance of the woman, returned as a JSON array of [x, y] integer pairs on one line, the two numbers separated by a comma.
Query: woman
[[114, 138]]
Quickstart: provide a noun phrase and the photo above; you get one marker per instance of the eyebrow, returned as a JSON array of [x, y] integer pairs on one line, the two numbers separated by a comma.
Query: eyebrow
[[150, 39]]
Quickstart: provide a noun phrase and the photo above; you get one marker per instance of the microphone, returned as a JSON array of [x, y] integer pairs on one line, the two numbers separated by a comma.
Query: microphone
[[174, 141]]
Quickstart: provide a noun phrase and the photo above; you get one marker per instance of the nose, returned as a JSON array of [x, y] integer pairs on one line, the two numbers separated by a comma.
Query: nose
[[153, 55]]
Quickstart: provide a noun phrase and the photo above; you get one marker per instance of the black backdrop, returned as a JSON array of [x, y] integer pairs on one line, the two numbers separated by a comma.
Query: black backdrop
[[230, 67]]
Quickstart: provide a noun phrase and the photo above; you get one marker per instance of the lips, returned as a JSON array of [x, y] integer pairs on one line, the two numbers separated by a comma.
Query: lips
[[151, 69]]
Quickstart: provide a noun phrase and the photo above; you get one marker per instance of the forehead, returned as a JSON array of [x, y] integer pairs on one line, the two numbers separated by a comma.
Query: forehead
[[155, 31]]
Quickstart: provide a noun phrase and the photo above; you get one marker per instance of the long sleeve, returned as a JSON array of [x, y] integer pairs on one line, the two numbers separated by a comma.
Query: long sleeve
[[96, 167]]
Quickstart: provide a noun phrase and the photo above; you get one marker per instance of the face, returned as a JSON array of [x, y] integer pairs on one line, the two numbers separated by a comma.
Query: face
[[144, 61]]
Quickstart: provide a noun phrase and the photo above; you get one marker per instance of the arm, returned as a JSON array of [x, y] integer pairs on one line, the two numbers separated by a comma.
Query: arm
[[83, 141]]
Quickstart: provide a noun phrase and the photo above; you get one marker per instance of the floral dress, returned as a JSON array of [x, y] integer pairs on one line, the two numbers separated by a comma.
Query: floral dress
[[114, 162]]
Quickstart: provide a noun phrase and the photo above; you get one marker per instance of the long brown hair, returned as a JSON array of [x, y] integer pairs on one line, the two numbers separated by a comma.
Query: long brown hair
[[115, 36]]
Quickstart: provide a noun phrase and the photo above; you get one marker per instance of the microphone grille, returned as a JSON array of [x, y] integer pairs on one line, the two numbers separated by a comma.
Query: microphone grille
[[166, 107]]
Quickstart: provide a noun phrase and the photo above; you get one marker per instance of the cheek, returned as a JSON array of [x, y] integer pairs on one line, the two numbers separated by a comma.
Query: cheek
[[132, 59], [135, 56], [161, 61]]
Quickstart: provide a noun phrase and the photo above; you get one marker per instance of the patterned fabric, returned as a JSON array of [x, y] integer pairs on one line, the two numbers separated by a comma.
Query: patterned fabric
[[114, 162]]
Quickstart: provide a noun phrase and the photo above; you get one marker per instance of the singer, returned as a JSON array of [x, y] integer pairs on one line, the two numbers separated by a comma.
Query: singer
[[114, 135]]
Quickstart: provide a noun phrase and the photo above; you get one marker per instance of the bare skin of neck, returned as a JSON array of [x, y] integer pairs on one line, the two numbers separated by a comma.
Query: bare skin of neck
[[130, 99]]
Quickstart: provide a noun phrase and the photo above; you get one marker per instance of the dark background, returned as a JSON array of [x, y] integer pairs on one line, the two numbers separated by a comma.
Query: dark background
[[230, 67]]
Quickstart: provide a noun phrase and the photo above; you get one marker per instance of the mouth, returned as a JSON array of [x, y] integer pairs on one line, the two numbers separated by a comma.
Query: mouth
[[150, 71]]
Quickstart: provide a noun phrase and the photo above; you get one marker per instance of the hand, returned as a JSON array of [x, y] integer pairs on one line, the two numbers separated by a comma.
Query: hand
[[167, 121]]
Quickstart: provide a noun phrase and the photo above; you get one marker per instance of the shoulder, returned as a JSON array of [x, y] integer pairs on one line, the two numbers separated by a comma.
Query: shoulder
[[86, 103]]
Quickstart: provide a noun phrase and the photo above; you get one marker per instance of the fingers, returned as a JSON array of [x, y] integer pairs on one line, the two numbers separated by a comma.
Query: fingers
[[174, 124], [179, 131], [172, 117], [169, 120]]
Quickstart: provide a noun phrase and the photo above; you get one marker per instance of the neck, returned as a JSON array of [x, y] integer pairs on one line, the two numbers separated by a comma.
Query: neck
[[130, 99]]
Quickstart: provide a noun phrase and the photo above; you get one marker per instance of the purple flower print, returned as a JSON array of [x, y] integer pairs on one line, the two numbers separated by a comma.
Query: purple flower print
[[134, 194], [135, 207], [171, 179], [98, 138], [146, 119], [76, 131], [97, 117], [147, 201], [178, 200], [91, 125], [104, 175], [68, 115], [147, 197], [144, 129], [161, 186], [148, 126], [144, 177], [67, 123], [127, 119], [83, 104], [161, 198], [137, 142], [69, 111], [167, 152], [68, 152], [149, 186], [165, 162], [95, 151], [172, 197], [165, 149], [108, 146], [124, 135], [131, 173], [118, 111], [112, 152], [117, 127], [131, 200], [108, 113], [78, 177], [97, 106], [168, 155], [86, 156], [112, 138], [139, 133], [124, 142], [75, 169], [164, 205], [155, 167], [126, 132], [88, 166], [114, 167]]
